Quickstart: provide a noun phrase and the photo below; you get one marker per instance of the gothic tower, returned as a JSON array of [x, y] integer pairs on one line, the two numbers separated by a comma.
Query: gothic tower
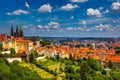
[[21, 34], [17, 32], [12, 32]]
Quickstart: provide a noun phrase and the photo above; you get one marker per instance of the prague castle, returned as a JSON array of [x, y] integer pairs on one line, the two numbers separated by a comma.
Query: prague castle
[[16, 41], [17, 33]]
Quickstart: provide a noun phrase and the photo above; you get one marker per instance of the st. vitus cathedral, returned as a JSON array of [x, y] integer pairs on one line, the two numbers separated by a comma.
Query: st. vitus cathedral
[[18, 33]]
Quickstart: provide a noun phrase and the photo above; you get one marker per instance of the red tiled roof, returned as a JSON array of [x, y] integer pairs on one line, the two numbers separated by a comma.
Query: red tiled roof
[[113, 58], [3, 37]]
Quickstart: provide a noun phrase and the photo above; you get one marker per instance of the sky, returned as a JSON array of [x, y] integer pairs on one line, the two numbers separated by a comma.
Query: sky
[[61, 18]]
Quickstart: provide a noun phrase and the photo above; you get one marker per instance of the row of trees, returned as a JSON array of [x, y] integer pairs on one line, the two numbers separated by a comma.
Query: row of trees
[[15, 72], [82, 69], [89, 70], [46, 69]]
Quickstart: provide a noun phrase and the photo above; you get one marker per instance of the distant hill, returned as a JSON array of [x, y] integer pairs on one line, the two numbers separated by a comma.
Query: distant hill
[[34, 38]]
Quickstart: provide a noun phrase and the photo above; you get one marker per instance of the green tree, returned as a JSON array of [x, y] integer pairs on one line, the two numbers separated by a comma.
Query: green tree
[[1, 46], [73, 77], [16, 72], [104, 72], [115, 76], [80, 61], [12, 50], [69, 69], [57, 57], [70, 57], [68, 62], [93, 64], [45, 42], [9, 76], [111, 66], [32, 58], [34, 52], [85, 71], [61, 69]]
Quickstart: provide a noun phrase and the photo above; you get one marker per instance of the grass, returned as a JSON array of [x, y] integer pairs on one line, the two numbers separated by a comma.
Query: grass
[[40, 72], [53, 65]]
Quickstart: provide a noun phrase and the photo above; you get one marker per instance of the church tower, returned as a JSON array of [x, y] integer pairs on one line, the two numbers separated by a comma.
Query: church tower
[[21, 34], [17, 32], [12, 32]]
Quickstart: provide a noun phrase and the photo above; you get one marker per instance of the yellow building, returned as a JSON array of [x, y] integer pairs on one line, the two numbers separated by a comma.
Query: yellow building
[[19, 44]]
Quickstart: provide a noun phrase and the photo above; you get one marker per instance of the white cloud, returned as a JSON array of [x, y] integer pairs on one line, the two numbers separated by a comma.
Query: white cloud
[[116, 7], [71, 28], [69, 7], [106, 11], [46, 27], [72, 17], [81, 28], [79, 1], [40, 27], [27, 5], [61, 30], [51, 25], [92, 12], [100, 8], [83, 23], [96, 20], [46, 8], [18, 12], [54, 25], [101, 27]]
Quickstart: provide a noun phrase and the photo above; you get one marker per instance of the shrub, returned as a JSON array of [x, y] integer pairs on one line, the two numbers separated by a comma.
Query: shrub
[[104, 72]]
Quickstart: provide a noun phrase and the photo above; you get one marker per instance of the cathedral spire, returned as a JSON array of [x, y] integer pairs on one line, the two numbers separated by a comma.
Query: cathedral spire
[[12, 32], [17, 32]]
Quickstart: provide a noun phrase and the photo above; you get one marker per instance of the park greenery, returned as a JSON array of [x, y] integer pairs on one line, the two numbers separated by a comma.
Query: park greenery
[[56, 68], [13, 71], [79, 69]]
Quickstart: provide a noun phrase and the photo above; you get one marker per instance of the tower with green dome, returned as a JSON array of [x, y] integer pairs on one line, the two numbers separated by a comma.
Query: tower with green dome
[[21, 34]]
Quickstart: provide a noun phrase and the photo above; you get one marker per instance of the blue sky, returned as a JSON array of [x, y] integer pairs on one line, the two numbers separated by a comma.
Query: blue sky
[[62, 18]]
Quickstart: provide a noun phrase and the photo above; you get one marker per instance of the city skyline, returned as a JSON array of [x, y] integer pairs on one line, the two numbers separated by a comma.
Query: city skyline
[[62, 18]]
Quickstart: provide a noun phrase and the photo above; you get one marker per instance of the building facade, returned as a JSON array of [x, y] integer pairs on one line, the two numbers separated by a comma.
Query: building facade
[[16, 41]]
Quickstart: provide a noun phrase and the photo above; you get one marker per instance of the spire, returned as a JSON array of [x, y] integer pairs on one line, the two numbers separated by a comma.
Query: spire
[[12, 32], [17, 32], [21, 34]]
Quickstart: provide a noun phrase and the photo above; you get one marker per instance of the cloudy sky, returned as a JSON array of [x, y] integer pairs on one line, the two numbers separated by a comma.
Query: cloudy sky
[[62, 18]]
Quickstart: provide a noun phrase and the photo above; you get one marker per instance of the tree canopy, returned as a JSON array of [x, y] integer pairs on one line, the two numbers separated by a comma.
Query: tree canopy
[[45, 42]]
